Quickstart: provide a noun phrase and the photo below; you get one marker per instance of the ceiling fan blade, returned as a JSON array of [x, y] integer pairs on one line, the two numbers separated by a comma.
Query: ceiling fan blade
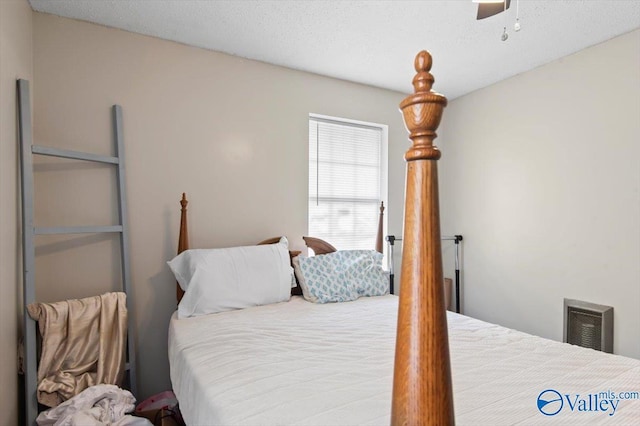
[[486, 10]]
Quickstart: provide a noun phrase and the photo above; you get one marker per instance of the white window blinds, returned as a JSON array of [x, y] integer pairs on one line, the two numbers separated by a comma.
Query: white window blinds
[[345, 182]]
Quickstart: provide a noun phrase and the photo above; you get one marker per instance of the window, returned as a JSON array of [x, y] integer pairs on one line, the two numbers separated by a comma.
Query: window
[[347, 180]]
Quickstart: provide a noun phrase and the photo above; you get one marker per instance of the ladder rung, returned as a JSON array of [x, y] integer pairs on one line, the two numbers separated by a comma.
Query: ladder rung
[[77, 230], [75, 155]]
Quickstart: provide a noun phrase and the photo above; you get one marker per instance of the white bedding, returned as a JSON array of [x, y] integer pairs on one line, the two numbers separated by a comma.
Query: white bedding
[[299, 363]]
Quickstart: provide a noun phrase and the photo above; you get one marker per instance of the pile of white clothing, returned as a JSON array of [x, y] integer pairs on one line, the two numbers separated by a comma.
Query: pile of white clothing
[[96, 405]]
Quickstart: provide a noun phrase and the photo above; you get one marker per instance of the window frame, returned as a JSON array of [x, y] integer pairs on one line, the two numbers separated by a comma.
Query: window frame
[[384, 159]]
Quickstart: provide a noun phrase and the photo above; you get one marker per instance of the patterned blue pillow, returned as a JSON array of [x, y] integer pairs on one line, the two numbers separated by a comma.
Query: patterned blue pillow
[[341, 276], [366, 272]]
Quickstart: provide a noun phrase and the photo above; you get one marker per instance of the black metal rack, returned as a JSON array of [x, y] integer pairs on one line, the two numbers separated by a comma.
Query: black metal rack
[[391, 239]]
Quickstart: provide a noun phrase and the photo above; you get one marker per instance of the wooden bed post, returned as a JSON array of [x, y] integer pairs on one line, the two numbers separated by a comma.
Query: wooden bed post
[[422, 393], [380, 228], [183, 238]]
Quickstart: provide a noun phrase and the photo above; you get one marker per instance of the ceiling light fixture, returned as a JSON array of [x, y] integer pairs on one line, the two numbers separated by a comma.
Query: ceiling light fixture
[[487, 8]]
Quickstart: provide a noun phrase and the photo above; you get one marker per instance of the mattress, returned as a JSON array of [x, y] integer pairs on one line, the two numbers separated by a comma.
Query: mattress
[[298, 363]]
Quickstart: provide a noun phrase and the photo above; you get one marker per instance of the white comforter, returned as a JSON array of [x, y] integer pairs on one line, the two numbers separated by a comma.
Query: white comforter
[[298, 363]]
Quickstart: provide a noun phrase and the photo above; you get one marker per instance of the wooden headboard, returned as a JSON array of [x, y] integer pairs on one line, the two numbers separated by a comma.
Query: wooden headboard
[[316, 244]]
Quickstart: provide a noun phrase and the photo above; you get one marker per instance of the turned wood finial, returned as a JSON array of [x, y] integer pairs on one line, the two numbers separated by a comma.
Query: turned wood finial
[[423, 80], [183, 238], [422, 111], [379, 238], [422, 391]]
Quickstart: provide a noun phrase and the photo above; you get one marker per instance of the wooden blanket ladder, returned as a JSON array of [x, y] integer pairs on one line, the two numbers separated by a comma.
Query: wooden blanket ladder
[[29, 231]]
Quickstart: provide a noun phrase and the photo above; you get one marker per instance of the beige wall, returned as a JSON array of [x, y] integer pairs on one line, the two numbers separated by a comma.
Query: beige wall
[[230, 132], [16, 55], [541, 174]]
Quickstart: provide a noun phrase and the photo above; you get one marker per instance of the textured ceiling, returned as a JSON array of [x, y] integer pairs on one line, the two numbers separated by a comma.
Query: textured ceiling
[[371, 42]]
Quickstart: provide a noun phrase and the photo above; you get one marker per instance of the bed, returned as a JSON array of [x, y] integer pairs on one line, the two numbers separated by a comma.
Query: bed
[[300, 363], [387, 359]]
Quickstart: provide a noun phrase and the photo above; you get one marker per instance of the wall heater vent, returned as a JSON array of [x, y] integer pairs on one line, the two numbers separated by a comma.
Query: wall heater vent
[[588, 325]]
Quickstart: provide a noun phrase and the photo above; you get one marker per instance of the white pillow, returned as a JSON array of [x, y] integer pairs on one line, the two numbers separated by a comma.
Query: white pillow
[[216, 280]]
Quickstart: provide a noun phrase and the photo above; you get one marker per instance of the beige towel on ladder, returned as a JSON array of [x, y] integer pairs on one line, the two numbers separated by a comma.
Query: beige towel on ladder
[[83, 344]]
